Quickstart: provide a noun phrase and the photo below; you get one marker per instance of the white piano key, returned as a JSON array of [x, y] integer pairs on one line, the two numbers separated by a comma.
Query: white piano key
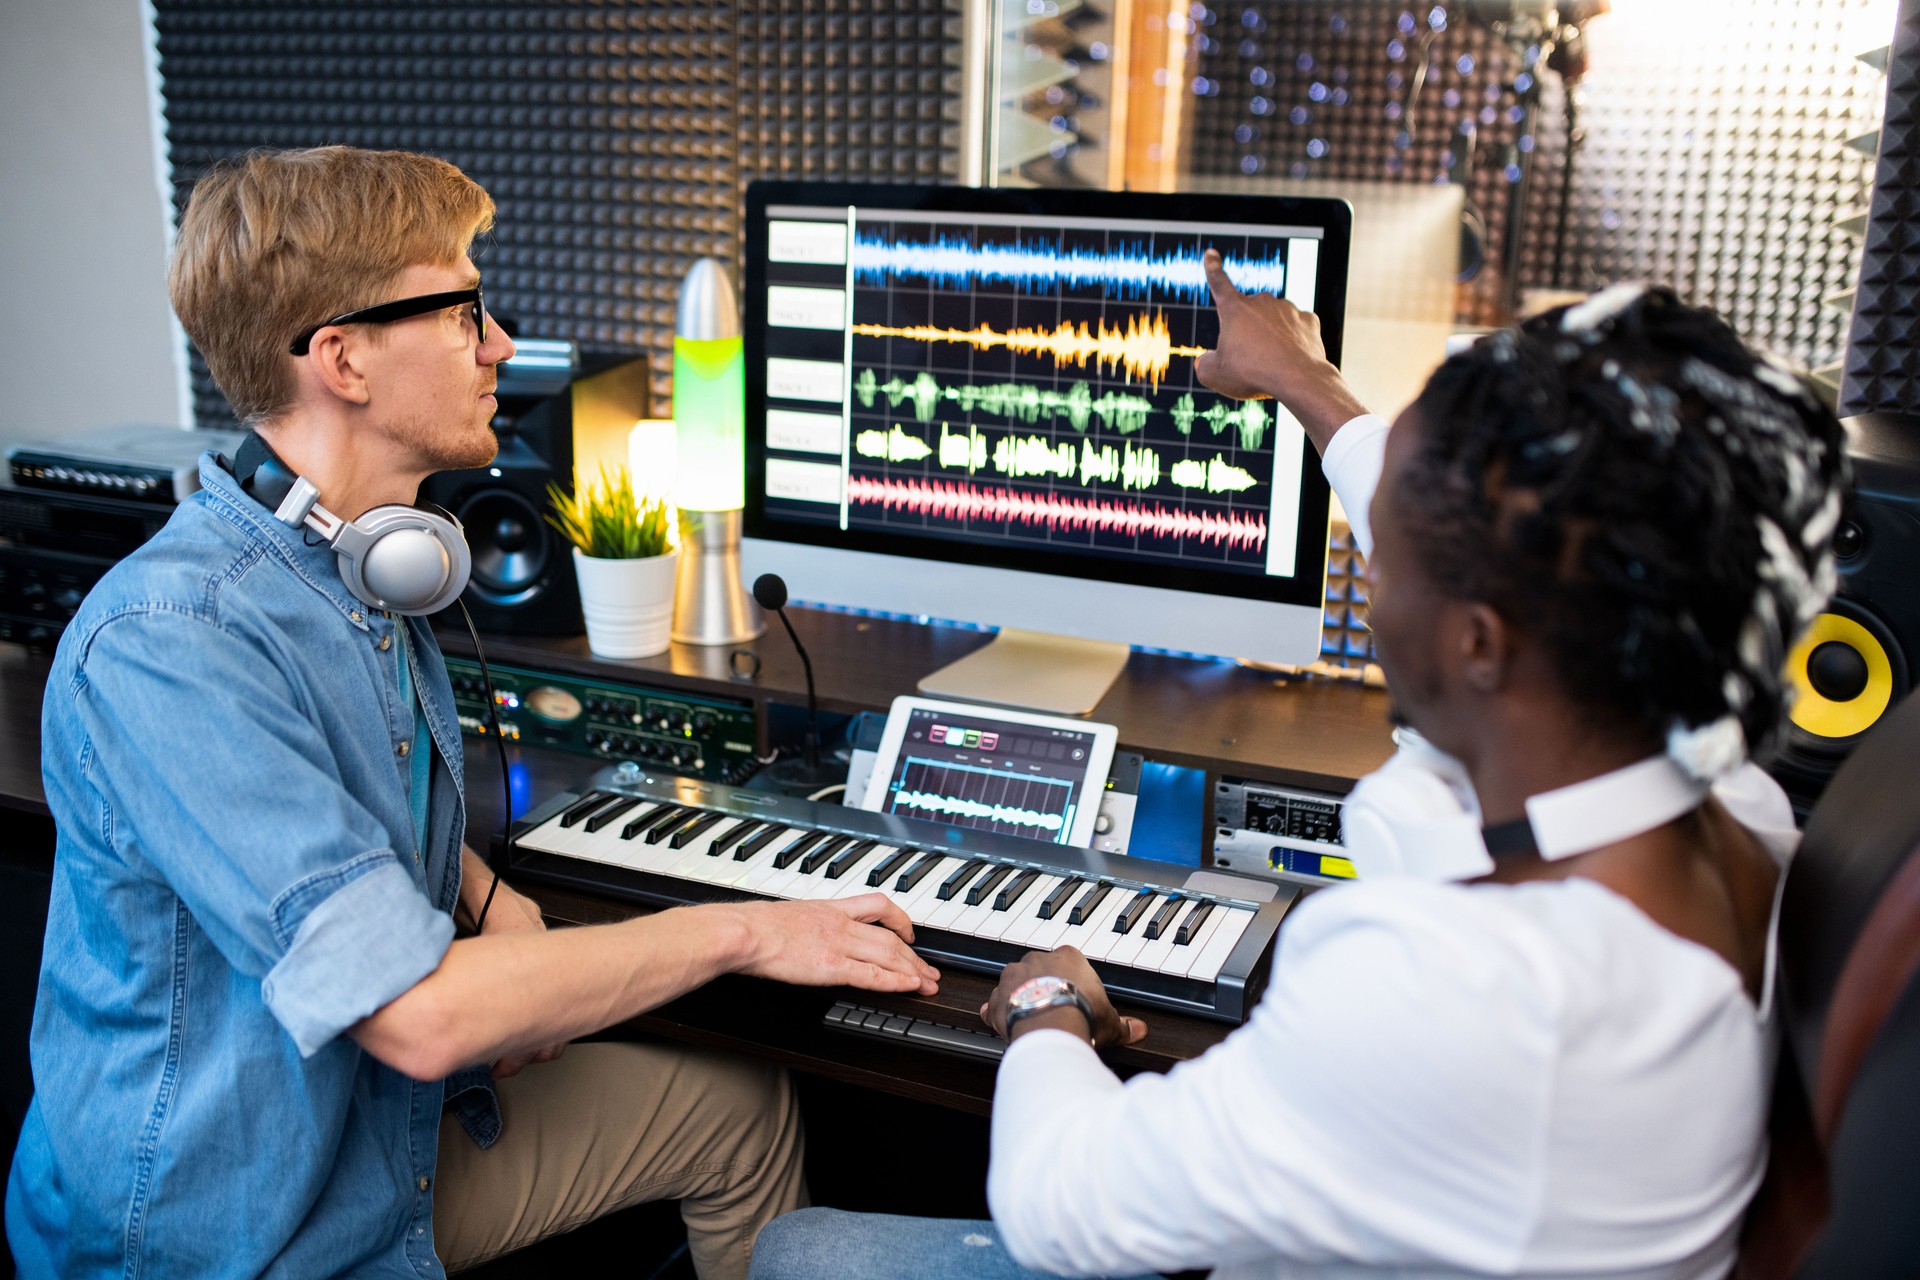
[[1080, 935], [759, 868], [1180, 963], [1027, 920], [943, 915], [1103, 944], [919, 901], [1126, 947], [1207, 965], [853, 881], [972, 921], [999, 923]]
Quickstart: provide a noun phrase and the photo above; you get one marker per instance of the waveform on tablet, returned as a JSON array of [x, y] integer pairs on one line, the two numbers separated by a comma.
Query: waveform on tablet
[[1115, 411], [1132, 271], [1215, 475], [1058, 512], [957, 807], [1144, 347]]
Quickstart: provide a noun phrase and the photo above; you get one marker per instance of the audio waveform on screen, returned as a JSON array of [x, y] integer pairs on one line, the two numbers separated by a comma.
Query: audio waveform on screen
[[957, 807], [894, 445], [1056, 512], [1144, 348], [1131, 466], [1116, 411], [1249, 418], [1130, 271]]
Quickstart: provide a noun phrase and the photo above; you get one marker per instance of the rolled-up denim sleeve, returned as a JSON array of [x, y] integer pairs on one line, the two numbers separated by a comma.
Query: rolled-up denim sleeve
[[215, 775], [364, 943]]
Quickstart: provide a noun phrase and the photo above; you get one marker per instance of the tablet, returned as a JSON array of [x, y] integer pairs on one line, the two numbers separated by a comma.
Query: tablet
[[1015, 773]]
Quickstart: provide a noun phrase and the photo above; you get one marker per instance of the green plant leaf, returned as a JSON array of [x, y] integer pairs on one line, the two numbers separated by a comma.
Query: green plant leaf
[[608, 521]]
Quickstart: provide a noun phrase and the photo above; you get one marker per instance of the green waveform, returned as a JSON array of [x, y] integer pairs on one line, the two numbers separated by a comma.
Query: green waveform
[[1249, 417], [894, 445], [1215, 475], [1117, 412]]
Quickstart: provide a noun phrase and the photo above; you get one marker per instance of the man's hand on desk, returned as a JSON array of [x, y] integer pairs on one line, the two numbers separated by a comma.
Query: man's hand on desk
[[853, 942], [1109, 1027]]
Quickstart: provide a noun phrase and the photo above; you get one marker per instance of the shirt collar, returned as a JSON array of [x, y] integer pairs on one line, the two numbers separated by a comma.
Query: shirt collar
[[311, 560]]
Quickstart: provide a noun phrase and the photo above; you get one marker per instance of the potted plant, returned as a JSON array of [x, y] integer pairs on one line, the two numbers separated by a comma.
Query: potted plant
[[624, 556]]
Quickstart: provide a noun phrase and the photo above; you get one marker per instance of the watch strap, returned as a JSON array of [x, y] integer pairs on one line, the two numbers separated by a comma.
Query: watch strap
[[1067, 998]]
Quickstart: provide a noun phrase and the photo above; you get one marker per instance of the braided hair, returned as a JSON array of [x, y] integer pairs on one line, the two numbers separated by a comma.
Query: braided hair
[[1626, 481]]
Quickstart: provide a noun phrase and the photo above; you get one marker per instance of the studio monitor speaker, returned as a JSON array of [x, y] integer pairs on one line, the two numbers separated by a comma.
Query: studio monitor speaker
[[1858, 658]]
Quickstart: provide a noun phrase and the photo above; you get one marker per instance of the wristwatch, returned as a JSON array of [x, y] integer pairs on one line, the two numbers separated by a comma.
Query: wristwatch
[[1037, 995]]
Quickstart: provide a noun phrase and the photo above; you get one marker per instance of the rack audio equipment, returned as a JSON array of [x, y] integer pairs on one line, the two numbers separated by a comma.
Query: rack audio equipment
[[1287, 833], [662, 728], [1197, 941], [159, 465]]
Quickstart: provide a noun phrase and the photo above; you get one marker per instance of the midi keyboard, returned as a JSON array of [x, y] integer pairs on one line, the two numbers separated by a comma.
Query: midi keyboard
[[1195, 941]]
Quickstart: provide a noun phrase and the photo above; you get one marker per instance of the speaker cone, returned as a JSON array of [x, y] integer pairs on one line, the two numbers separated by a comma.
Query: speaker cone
[[1846, 671], [510, 545]]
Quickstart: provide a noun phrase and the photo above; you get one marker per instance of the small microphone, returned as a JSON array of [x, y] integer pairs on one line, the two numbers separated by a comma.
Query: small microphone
[[770, 592]]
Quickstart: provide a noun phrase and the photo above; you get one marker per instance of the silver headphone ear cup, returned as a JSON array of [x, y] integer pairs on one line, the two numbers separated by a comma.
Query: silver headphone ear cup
[[415, 562]]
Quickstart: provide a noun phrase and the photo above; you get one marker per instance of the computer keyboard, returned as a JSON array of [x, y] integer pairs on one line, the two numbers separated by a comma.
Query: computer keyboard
[[898, 1027]]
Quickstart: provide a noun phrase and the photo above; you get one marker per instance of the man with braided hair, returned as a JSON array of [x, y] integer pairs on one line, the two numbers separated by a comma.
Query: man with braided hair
[[1536, 1037]]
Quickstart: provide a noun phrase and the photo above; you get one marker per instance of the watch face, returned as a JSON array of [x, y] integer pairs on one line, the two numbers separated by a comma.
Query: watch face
[[1039, 990]]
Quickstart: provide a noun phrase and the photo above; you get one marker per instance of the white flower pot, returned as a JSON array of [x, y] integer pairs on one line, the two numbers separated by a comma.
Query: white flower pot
[[628, 604]]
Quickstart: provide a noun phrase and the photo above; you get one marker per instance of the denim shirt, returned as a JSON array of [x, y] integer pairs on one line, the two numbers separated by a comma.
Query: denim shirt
[[235, 885]]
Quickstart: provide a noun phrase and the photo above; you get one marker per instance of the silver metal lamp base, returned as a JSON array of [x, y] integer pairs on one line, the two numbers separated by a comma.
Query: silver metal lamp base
[[710, 604]]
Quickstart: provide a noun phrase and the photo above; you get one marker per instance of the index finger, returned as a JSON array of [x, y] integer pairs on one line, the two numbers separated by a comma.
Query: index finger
[[877, 908], [1217, 280]]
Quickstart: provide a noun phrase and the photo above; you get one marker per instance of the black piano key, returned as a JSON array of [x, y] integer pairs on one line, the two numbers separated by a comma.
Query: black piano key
[[1131, 913], [958, 880], [688, 834], [1017, 886], [666, 816], [844, 863], [662, 830], [1190, 927], [758, 841], [785, 858], [612, 811], [980, 889], [1051, 904], [878, 876], [917, 872], [583, 806], [812, 862], [732, 835], [1164, 917], [1089, 902], [646, 819]]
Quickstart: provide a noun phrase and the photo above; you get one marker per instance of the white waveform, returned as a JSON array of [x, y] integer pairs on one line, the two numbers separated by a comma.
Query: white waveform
[[958, 807]]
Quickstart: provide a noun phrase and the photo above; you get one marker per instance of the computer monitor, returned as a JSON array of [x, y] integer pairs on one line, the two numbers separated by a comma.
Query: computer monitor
[[979, 404]]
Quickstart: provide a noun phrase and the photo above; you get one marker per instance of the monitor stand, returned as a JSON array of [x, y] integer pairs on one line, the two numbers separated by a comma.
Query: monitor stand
[[1062, 674]]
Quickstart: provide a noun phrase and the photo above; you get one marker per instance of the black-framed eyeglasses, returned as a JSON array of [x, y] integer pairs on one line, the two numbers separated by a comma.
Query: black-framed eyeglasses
[[401, 309]]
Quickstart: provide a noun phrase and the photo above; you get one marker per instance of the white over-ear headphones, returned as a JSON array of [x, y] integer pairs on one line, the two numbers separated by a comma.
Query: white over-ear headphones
[[401, 559]]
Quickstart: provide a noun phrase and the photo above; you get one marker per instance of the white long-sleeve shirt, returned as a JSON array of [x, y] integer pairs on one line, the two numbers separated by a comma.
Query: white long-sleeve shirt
[[1442, 1080]]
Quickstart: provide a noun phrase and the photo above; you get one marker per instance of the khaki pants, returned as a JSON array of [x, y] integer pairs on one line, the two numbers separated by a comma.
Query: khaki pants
[[612, 1125]]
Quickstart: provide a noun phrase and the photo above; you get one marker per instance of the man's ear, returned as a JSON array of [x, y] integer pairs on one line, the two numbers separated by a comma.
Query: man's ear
[[333, 367], [1486, 648]]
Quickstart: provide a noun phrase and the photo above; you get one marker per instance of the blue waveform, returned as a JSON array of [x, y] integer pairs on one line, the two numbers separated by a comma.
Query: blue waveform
[[1127, 270], [960, 808]]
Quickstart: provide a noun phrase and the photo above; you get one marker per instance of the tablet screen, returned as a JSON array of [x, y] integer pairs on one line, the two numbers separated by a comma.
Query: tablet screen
[[1012, 773]]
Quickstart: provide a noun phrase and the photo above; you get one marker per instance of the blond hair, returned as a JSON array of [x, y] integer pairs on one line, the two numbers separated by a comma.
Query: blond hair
[[275, 241]]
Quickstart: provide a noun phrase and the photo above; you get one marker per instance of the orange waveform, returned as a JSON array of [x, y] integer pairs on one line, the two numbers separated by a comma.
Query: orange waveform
[[1144, 348]]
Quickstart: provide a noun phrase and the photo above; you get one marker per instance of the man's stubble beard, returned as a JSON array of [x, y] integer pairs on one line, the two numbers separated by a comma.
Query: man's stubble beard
[[445, 449]]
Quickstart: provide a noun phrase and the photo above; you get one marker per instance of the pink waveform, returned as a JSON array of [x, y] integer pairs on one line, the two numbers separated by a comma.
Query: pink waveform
[[971, 502]]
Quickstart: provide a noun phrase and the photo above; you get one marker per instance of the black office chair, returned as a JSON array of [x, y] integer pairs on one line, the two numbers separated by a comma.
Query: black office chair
[[1840, 1197]]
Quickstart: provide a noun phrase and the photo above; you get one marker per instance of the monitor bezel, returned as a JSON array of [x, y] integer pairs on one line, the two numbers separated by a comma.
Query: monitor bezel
[[1332, 217]]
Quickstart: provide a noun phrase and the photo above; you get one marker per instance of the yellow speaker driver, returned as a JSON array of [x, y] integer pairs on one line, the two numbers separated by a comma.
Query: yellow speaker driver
[[1842, 677]]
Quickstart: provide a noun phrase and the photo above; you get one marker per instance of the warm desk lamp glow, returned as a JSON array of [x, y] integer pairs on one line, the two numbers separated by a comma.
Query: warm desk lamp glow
[[709, 411]]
